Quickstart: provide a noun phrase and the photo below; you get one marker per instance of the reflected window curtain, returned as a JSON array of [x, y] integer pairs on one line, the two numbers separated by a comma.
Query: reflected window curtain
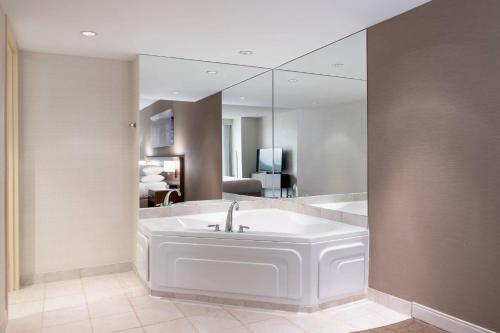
[[226, 151]]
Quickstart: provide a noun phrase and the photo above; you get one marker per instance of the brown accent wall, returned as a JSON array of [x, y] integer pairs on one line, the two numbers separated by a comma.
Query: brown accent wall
[[197, 136], [434, 157]]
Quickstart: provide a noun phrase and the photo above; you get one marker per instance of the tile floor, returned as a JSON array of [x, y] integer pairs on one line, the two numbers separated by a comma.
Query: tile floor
[[119, 303]]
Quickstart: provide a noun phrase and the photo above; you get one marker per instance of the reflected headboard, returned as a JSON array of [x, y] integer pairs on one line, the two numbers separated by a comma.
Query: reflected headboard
[[157, 175]]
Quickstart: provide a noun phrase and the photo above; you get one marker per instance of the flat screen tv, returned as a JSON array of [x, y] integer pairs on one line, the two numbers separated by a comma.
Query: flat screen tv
[[265, 157]]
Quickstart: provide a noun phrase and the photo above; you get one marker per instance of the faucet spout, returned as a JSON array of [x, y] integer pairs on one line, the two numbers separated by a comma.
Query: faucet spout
[[229, 220], [166, 201]]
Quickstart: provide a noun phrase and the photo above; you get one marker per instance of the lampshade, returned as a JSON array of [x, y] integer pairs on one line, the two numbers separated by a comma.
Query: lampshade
[[170, 166]]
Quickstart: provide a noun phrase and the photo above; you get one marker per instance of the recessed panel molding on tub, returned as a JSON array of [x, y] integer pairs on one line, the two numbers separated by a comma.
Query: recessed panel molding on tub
[[258, 271], [342, 270]]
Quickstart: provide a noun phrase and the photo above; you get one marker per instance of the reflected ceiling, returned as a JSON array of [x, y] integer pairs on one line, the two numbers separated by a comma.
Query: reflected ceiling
[[344, 58], [187, 80], [296, 90], [335, 74]]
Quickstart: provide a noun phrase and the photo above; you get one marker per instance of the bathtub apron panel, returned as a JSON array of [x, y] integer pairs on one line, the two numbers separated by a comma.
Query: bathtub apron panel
[[342, 270], [270, 272]]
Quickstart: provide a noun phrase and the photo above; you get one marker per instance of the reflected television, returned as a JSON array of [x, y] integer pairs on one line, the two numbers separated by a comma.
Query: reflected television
[[265, 158]]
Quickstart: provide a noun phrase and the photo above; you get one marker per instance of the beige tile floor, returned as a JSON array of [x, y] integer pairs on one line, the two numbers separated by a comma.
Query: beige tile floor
[[119, 303]]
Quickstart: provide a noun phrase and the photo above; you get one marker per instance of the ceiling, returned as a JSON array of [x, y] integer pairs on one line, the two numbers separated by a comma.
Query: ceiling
[[276, 31]]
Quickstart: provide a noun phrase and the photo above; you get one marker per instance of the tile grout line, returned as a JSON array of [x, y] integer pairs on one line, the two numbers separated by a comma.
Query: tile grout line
[[293, 324], [135, 313], [43, 305], [233, 316], [187, 318], [128, 291], [87, 306]]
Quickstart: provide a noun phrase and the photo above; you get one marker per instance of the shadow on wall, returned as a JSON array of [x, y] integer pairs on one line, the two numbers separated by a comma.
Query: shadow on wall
[[197, 136]]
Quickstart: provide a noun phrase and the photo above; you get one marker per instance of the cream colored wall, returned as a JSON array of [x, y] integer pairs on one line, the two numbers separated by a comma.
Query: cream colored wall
[[78, 162], [3, 310]]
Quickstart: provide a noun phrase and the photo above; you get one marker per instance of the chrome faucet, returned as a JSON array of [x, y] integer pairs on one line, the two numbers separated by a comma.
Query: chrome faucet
[[295, 191], [167, 201], [229, 219]]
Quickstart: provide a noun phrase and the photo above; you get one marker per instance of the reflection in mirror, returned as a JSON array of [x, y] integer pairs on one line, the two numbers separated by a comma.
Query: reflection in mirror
[[320, 104], [180, 119], [247, 134], [344, 58], [161, 181]]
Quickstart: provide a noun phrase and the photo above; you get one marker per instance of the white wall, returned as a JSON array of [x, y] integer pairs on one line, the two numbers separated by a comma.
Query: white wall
[[286, 125], [3, 310], [251, 129], [266, 131], [325, 148], [78, 162], [236, 164], [250, 134], [332, 149]]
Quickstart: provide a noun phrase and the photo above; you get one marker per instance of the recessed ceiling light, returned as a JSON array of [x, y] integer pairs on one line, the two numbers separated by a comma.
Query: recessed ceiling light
[[242, 97], [211, 72], [88, 33], [293, 80], [175, 92], [338, 65], [246, 52]]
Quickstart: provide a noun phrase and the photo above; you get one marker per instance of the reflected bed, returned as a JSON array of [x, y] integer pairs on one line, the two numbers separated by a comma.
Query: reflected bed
[[243, 186]]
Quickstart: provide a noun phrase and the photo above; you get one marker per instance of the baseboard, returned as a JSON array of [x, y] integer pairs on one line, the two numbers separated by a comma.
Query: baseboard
[[424, 313], [27, 280], [392, 302], [444, 321]]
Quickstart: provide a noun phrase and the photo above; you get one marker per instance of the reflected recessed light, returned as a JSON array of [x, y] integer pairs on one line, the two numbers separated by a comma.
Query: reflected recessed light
[[338, 65], [211, 72], [88, 33], [175, 92], [246, 52], [293, 80], [242, 97], [314, 102]]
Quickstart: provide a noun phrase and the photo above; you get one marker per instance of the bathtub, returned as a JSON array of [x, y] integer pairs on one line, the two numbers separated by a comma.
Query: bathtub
[[352, 207], [284, 258]]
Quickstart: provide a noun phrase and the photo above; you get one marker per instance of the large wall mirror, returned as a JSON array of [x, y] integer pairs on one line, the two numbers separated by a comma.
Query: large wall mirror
[[180, 128], [243, 133], [320, 122], [247, 138], [320, 118]]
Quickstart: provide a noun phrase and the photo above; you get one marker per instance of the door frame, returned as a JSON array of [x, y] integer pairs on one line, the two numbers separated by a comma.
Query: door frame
[[11, 162]]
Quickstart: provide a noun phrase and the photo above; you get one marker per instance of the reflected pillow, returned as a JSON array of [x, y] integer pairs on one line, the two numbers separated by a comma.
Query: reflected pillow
[[145, 187], [152, 170], [157, 186], [152, 179]]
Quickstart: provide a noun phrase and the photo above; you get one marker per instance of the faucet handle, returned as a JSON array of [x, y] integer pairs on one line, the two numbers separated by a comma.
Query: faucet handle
[[242, 228], [214, 225]]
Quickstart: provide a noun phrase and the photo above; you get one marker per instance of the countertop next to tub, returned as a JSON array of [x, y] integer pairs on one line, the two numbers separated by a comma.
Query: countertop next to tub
[[351, 207]]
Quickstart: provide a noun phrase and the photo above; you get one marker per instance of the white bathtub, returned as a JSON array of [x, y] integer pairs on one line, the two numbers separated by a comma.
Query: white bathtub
[[352, 207], [285, 257]]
